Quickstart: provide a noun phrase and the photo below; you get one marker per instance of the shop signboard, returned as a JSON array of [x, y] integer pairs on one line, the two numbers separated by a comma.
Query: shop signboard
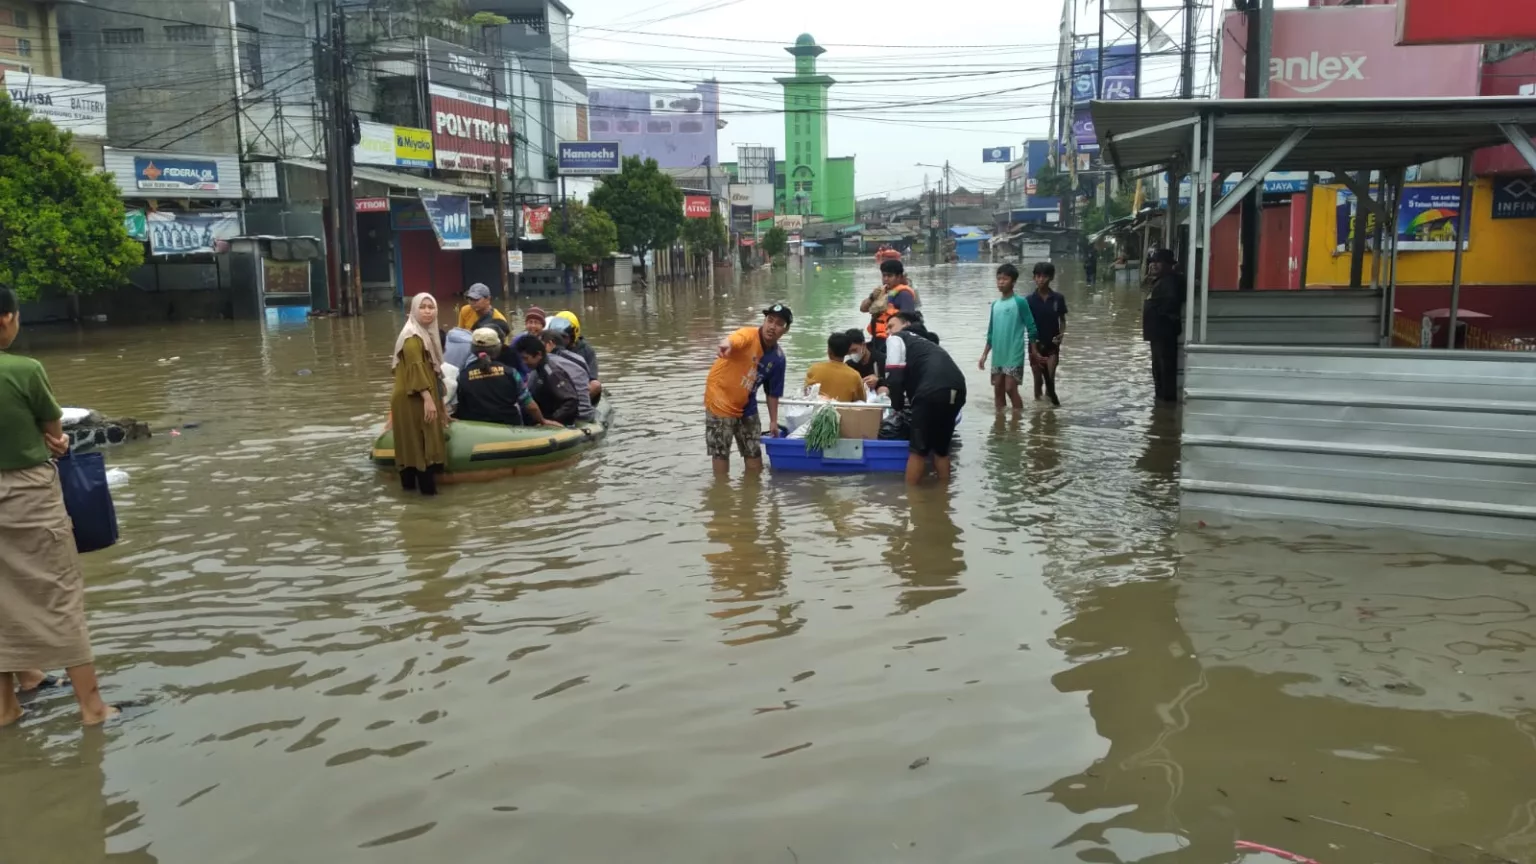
[[589, 158], [1118, 83], [1347, 52], [372, 205], [790, 223], [175, 175], [394, 146], [449, 215], [1428, 217], [696, 206], [533, 221], [1514, 198], [73, 106], [741, 218], [408, 215], [177, 233], [470, 126], [997, 154], [514, 260], [1431, 22]]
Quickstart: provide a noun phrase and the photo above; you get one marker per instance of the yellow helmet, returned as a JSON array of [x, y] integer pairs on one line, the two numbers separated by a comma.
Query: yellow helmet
[[575, 324]]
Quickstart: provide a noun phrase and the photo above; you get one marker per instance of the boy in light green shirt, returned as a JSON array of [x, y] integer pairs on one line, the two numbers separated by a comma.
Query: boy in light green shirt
[[1011, 337]]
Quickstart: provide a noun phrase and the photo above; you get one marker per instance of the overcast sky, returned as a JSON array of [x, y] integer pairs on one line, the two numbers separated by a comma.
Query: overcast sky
[[988, 67]]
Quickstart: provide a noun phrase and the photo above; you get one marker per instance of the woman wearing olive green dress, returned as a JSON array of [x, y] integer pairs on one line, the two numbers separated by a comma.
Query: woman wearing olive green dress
[[416, 404]]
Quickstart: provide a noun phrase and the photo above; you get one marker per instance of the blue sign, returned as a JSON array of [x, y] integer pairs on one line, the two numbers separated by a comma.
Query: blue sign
[[449, 215], [1119, 83], [177, 175], [589, 158], [1514, 198], [997, 154]]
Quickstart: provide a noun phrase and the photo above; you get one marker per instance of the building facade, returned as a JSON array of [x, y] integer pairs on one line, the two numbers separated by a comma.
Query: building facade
[[678, 127], [29, 38]]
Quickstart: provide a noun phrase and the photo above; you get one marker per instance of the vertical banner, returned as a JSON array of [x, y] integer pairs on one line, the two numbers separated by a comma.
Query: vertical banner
[[449, 215], [1119, 83]]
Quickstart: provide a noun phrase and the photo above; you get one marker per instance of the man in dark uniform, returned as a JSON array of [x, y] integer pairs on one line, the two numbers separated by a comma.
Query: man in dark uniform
[[922, 374], [1162, 319]]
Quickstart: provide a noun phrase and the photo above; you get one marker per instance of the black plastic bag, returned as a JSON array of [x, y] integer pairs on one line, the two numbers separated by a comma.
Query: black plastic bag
[[897, 427], [83, 477]]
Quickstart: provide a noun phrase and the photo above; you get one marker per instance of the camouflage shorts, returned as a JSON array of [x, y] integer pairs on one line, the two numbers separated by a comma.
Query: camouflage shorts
[[747, 432]]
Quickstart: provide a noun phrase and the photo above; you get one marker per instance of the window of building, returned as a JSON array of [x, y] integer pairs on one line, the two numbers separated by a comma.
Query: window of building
[[186, 33], [19, 18], [248, 44], [531, 23], [690, 127], [599, 125], [23, 47], [123, 36], [659, 127], [6, 17], [66, 38]]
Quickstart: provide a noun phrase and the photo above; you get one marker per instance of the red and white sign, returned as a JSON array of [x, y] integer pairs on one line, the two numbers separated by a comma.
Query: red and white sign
[[696, 206], [373, 205], [1447, 22], [533, 221], [1347, 52], [468, 130]]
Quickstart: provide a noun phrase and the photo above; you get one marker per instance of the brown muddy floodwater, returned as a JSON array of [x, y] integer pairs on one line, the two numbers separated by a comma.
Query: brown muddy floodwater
[[631, 661]]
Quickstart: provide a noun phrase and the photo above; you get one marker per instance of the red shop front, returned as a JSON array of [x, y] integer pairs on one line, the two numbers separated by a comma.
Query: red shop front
[[421, 264]]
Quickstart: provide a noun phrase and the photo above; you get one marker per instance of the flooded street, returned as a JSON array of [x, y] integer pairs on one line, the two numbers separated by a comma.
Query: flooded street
[[632, 661]]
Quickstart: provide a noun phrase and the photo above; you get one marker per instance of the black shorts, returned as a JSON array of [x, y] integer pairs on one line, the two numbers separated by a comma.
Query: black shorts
[[1048, 349], [933, 422]]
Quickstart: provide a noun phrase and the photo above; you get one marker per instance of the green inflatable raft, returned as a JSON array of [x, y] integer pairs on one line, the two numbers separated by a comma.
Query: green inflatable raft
[[486, 451]]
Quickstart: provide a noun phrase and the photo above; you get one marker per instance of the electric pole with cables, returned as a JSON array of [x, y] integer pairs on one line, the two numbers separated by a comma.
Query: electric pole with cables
[[333, 84]]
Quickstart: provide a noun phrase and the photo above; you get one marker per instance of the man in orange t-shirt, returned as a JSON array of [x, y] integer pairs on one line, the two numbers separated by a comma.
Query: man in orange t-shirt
[[746, 359]]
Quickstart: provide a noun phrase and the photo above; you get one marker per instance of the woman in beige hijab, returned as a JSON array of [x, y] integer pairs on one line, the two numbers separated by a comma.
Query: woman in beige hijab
[[416, 405], [42, 591]]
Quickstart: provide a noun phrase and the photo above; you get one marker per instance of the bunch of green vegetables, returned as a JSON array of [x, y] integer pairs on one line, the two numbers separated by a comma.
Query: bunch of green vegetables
[[823, 429]]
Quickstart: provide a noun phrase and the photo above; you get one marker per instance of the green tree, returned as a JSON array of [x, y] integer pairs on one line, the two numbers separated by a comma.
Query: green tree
[[645, 203], [1051, 182], [61, 223], [706, 235], [775, 241], [581, 235]]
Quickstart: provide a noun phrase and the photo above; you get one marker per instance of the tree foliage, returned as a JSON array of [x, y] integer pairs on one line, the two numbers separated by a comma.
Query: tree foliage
[[706, 235], [645, 203], [581, 235], [1052, 182], [61, 223], [775, 242]]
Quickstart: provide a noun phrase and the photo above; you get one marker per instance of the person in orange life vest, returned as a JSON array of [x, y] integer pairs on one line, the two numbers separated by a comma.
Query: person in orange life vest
[[895, 294]]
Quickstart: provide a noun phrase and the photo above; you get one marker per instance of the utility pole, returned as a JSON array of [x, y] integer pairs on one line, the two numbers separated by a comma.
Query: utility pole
[[501, 215], [1186, 91], [340, 137], [1261, 17]]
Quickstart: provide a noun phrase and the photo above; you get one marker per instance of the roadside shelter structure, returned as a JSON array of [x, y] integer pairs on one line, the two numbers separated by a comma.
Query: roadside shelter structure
[[1294, 408]]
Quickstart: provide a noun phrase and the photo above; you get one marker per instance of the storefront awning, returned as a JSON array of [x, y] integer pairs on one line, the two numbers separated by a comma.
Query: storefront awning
[[398, 179]]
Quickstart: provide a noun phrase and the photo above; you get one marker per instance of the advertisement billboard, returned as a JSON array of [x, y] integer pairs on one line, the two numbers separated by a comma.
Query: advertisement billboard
[[997, 154], [676, 127], [173, 175], [394, 146], [533, 221], [449, 215], [1119, 82], [696, 206], [589, 158], [1514, 198], [741, 219], [1428, 218], [73, 106], [758, 196], [789, 223], [1447, 22], [176, 233], [755, 164], [470, 130], [1347, 52]]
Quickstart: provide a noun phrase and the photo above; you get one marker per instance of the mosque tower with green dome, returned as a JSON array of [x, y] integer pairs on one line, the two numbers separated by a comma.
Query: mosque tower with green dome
[[807, 185]]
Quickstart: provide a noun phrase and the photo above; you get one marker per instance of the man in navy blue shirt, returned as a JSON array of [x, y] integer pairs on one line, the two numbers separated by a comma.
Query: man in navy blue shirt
[[1050, 311]]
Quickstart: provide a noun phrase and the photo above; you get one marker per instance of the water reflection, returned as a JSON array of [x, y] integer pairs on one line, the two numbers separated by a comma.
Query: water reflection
[[925, 550], [54, 805], [749, 573]]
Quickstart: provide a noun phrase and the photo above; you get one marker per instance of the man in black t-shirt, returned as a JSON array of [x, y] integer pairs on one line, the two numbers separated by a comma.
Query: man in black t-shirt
[[490, 391], [923, 374]]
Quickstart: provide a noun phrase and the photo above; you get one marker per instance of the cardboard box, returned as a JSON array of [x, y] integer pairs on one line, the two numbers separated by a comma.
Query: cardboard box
[[860, 422]]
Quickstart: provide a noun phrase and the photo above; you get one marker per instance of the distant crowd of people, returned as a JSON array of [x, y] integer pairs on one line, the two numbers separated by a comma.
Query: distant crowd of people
[[547, 375]]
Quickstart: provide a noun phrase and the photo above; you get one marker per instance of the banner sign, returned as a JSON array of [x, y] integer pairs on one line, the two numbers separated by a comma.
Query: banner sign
[[741, 218], [533, 221], [176, 233], [514, 260], [1427, 219], [790, 223], [176, 174], [1347, 52], [73, 106], [1119, 83], [449, 215], [372, 205], [394, 146], [1514, 198], [468, 130], [135, 224], [458, 67], [589, 158], [696, 206], [1428, 22], [997, 154]]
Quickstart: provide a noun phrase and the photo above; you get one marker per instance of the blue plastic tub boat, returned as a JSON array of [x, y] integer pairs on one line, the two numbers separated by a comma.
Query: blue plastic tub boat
[[850, 456]]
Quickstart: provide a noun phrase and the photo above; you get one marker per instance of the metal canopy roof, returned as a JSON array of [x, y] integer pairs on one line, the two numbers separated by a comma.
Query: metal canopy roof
[[1347, 134]]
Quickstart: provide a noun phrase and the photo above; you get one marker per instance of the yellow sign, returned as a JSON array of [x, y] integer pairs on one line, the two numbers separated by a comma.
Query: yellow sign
[[413, 147]]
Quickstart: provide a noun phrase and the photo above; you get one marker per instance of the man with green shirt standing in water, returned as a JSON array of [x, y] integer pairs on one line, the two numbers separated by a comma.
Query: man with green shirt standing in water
[[1011, 338]]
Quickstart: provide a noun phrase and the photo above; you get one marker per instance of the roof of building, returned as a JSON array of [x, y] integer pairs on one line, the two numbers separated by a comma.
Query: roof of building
[[805, 39]]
